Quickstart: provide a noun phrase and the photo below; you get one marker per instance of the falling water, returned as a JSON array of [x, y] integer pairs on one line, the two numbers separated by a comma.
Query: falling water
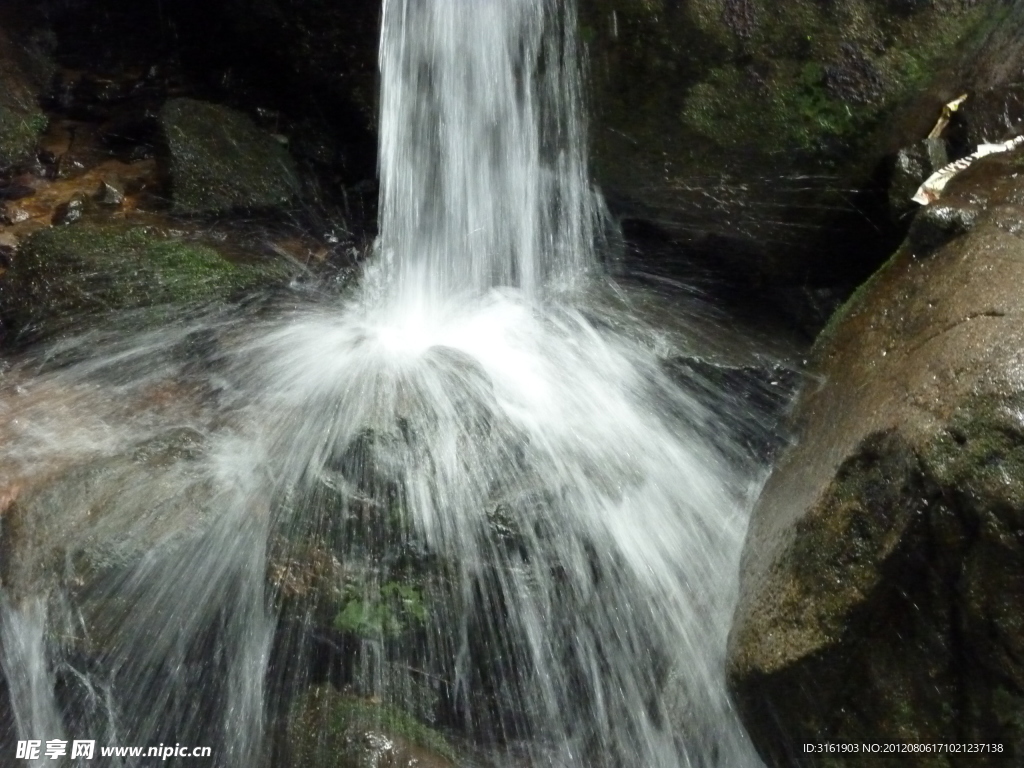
[[482, 152], [518, 527]]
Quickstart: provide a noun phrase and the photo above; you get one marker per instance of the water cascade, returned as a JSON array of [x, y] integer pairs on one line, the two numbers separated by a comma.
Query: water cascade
[[468, 491]]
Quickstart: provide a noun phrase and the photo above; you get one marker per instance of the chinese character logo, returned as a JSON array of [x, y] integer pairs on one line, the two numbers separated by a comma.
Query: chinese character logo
[[56, 748], [84, 749], [28, 750]]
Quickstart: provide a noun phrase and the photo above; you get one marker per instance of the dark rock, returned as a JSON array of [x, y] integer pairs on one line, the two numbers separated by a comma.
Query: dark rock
[[882, 580], [15, 191], [70, 211], [110, 193], [741, 17], [21, 120], [220, 161], [939, 223], [132, 134], [853, 77], [913, 165], [766, 124], [328, 729], [65, 276]]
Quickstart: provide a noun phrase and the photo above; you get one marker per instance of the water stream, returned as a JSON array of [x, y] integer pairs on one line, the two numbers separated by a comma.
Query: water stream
[[519, 527]]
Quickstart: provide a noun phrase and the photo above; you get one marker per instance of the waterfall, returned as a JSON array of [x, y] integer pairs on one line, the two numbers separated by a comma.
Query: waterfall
[[482, 150], [471, 490]]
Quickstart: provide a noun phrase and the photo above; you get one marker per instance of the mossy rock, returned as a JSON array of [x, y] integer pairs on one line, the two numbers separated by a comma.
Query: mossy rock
[[329, 729], [219, 160], [390, 611], [63, 275], [21, 120], [764, 124], [20, 126]]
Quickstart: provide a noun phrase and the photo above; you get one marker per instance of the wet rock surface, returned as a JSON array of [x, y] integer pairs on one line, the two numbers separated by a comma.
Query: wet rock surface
[[63, 275], [220, 161], [881, 586], [21, 119], [331, 729], [205, 200], [73, 524], [770, 129]]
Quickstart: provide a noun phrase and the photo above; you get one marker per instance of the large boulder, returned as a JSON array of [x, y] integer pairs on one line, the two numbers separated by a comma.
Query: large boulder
[[220, 161], [77, 518], [882, 583], [749, 131]]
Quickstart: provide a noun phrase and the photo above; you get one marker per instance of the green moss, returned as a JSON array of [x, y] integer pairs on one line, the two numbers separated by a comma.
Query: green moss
[[981, 455], [393, 610], [220, 160], [20, 127], [326, 726], [791, 111], [64, 274]]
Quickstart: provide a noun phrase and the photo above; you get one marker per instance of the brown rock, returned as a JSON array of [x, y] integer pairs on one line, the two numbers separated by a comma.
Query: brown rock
[[882, 584]]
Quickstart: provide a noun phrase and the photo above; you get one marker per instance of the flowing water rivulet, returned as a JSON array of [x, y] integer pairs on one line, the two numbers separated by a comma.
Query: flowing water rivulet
[[468, 490]]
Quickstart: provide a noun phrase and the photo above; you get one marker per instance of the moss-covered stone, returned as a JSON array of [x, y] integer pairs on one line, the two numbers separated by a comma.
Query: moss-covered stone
[[63, 275], [759, 121], [21, 120], [220, 161], [328, 729], [20, 126]]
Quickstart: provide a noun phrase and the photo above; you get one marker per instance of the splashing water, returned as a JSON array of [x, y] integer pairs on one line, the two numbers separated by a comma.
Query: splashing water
[[517, 526]]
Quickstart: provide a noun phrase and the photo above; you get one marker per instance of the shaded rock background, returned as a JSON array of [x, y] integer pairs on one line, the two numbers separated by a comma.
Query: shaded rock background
[[21, 119], [122, 138], [219, 161], [758, 136], [744, 145], [304, 68], [882, 588]]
